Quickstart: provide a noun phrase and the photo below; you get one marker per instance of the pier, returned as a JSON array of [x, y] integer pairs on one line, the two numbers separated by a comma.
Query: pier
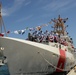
[[73, 71]]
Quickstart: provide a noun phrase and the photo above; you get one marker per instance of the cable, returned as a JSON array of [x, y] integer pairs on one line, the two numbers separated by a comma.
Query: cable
[[52, 64]]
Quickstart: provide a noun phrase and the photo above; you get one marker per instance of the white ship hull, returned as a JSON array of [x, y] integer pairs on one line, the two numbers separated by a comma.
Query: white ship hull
[[30, 58]]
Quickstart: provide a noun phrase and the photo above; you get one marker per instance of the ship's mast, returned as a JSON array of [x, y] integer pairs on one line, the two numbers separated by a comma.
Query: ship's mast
[[1, 22], [59, 26]]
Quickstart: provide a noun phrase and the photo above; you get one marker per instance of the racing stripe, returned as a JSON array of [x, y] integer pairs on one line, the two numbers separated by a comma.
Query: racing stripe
[[61, 62]]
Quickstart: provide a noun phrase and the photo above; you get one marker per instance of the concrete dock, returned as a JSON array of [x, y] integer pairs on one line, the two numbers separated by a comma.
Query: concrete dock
[[73, 71]]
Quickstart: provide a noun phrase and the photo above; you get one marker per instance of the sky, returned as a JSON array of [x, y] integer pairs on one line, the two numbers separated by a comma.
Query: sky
[[19, 14]]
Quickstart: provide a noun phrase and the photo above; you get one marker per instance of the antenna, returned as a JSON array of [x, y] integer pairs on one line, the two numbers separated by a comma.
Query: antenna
[[59, 26], [1, 21]]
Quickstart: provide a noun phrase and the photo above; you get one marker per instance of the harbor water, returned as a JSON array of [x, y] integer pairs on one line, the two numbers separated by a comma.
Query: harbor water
[[4, 70]]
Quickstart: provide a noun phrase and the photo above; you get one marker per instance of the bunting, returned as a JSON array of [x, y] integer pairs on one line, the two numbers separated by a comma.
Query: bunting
[[38, 28]]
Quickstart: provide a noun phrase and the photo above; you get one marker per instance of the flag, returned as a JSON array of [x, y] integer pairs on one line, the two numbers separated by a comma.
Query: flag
[[19, 31], [8, 32], [23, 31], [16, 32], [50, 22], [31, 29], [38, 28]]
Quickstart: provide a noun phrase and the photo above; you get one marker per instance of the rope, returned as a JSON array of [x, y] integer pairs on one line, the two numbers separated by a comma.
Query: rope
[[52, 64], [41, 72]]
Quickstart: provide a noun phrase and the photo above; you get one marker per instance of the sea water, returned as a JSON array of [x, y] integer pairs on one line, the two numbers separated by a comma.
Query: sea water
[[4, 70]]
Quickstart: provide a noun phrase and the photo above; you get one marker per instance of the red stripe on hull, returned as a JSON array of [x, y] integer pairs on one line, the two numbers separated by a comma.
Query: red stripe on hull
[[62, 59]]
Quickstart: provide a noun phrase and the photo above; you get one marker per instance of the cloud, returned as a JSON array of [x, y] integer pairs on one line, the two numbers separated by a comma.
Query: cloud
[[4, 12], [25, 18], [47, 5], [55, 5], [15, 7], [27, 3]]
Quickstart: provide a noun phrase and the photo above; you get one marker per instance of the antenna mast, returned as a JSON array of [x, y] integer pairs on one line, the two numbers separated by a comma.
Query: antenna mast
[[59, 26]]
